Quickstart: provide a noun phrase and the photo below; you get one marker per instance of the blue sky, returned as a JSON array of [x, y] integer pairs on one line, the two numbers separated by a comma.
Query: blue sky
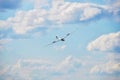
[[91, 52]]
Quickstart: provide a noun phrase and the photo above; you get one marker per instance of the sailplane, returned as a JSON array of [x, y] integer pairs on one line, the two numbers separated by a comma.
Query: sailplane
[[60, 39]]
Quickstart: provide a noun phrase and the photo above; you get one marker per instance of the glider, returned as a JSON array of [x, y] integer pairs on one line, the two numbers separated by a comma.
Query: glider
[[60, 39]]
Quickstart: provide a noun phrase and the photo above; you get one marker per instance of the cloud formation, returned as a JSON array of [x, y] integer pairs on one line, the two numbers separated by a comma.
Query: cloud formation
[[108, 42], [59, 12], [24, 21], [32, 69], [108, 68], [3, 42]]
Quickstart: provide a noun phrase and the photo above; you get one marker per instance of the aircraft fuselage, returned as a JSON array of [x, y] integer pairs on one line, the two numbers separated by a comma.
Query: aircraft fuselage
[[62, 39]]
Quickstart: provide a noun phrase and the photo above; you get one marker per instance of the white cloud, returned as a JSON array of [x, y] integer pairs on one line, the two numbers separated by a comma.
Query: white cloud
[[60, 12], [4, 24], [74, 12], [30, 69], [115, 3], [108, 42], [3, 42], [3, 69], [92, 13], [108, 68], [69, 64], [115, 9], [40, 3], [26, 20], [111, 66], [115, 57]]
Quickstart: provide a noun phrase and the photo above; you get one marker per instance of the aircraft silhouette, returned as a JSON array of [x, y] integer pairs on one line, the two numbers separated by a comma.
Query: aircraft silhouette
[[60, 39]]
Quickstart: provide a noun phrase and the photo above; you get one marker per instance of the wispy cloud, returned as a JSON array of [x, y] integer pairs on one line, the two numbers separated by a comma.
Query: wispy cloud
[[69, 65], [31, 68], [110, 67], [3, 42]]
